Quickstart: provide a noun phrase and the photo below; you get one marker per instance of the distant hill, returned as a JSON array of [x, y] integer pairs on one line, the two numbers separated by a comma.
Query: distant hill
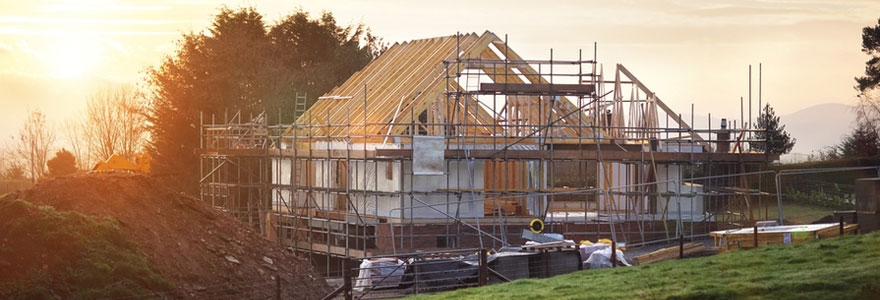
[[818, 126]]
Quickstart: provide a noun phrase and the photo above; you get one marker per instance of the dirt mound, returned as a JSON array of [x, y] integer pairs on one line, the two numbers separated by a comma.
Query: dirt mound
[[196, 247], [47, 254]]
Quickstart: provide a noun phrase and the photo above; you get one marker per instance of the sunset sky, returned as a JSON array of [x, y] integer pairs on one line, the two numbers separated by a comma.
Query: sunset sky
[[53, 54]]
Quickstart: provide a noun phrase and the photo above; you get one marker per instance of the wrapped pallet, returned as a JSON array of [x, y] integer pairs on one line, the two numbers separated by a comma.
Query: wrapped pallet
[[379, 273]]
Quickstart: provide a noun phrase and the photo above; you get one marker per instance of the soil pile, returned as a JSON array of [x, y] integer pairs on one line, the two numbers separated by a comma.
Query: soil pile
[[203, 252]]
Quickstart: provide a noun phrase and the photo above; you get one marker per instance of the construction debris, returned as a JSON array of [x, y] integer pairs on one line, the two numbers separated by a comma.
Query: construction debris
[[232, 259]]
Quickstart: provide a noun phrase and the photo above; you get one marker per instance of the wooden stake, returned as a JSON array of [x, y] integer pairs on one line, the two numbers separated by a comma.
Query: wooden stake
[[613, 254], [756, 235], [680, 246], [277, 287]]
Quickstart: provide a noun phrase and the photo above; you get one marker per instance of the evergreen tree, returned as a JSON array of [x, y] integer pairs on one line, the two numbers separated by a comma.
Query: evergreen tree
[[862, 142], [871, 47], [868, 105], [772, 138], [63, 163], [243, 64]]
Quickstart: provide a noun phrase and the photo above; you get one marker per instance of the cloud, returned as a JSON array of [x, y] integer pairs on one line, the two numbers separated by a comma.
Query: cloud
[[729, 10], [4, 48], [103, 7]]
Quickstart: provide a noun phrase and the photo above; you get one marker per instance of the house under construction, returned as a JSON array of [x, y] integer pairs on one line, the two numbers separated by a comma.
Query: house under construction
[[458, 142]]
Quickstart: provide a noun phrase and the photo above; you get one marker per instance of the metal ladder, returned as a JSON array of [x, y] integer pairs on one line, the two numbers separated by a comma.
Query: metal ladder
[[299, 106]]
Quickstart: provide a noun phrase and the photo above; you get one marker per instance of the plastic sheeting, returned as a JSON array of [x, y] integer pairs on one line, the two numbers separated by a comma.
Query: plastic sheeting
[[601, 258], [428, 155], [379, 273], [440, 274]]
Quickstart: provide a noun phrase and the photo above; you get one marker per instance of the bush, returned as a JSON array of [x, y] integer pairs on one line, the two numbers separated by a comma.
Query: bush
[[835, 199]]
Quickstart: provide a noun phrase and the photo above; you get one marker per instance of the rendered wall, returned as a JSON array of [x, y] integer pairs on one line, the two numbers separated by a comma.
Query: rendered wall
[[383, 176], [689, 205]]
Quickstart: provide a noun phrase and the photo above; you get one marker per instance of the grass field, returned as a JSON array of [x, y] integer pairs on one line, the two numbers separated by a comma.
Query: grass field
[[839, 268], [794, 213]]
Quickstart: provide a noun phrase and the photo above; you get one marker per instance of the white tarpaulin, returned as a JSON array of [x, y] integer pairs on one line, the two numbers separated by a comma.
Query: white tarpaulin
[[602, 258], [379, 273]]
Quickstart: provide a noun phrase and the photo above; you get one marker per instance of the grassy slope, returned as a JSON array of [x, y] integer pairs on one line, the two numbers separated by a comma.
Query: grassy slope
[[68, 255], [843, 268]]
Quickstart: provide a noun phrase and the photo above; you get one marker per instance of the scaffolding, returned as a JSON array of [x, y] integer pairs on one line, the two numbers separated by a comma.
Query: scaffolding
[[458, 142]]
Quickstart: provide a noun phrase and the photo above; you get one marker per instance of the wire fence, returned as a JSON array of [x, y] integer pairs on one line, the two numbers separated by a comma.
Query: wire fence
[[383, 277], [9, 186]]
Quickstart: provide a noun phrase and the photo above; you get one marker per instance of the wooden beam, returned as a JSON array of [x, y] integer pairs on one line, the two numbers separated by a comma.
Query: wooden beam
[[669, 111], [535, 88]]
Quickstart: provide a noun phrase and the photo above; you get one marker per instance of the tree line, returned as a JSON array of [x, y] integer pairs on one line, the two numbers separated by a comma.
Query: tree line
[[114, 122], [240, 62]]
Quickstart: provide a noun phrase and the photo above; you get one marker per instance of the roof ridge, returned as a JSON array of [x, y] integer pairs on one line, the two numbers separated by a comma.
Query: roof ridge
[[444, 37]]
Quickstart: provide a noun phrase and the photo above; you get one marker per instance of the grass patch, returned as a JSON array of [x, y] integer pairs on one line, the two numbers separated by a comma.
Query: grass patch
[[68, 255], [794, 213], [839, 268]]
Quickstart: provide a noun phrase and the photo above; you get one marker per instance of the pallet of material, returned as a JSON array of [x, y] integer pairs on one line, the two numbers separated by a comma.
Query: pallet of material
[[670, 253], [551, 246], [744, 238]]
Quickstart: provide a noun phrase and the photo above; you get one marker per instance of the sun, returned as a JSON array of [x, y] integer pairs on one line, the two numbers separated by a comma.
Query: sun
[[72, 56]]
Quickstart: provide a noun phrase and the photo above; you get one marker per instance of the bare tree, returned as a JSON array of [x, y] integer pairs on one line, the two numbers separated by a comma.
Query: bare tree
[[33, 144], [115, 123], [73, 132], [868, 108], [5, 160]]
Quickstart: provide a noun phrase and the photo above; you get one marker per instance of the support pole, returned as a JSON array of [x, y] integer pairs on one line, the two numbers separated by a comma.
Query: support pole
[[779, 199], [346, 278], [484, 268]]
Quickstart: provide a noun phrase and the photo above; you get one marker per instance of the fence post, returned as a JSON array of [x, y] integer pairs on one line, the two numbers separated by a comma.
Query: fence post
[[680, 246], [613, 253], [856, 221], [277, 287], [346, 278], [484, 268], [546, 263], [841, 225], [756, 235]]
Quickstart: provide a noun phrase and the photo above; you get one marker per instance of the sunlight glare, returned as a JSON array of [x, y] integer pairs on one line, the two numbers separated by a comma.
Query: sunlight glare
[[72, 56]]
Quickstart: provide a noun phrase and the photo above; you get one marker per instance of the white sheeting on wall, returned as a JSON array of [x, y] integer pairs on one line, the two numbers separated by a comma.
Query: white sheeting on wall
[[428, 155]]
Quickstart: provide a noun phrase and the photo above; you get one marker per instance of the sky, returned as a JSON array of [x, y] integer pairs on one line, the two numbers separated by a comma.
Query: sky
[[54, 54]]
